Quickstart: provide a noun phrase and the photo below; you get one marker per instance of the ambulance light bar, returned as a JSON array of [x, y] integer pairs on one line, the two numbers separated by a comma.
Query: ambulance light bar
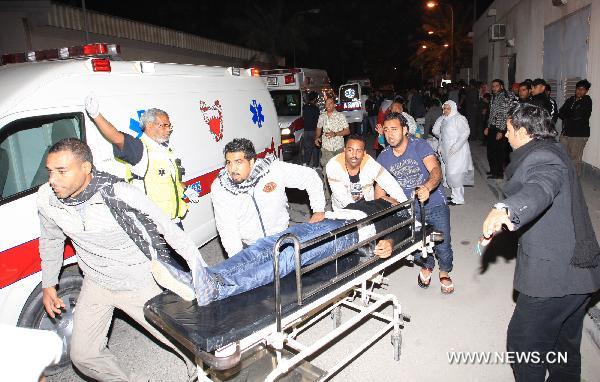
[[271, 72], [62, 53], [290, 79]]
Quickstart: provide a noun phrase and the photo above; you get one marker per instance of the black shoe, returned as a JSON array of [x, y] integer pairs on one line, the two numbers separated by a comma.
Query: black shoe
[[366, 250]]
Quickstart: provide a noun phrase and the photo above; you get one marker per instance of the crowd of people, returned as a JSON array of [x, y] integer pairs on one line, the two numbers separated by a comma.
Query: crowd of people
[[126, 260], [483, 109]]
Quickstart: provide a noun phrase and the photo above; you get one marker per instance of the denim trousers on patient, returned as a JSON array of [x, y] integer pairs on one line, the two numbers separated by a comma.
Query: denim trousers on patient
[[253, 266], [439, 218]]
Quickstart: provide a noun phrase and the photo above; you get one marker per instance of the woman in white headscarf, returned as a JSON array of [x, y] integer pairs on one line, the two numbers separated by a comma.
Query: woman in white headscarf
[[452, 130]]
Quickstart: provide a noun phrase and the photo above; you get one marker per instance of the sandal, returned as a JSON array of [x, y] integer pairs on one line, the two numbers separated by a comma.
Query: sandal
[[423, 281], [446, 288]]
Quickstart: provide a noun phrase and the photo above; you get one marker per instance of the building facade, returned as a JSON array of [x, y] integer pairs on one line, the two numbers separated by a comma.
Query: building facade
[[555, 40]]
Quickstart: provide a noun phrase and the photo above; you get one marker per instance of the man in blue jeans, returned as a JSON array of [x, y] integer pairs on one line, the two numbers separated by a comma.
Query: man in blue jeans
[[414, 165], [253, 266]]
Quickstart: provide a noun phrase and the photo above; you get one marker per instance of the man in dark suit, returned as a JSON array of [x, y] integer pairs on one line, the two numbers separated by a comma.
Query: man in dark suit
[[557, 262]]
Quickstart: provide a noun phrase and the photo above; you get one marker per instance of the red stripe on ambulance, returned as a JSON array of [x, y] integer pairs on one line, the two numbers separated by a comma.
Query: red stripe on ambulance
[[22, 261]]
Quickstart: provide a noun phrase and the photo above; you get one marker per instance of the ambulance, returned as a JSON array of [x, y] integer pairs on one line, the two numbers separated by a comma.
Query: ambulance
[[42, 102], [353, 96], [289, 89]]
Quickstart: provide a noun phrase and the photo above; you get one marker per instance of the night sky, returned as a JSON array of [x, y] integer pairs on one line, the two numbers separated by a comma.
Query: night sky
[[374, 39]]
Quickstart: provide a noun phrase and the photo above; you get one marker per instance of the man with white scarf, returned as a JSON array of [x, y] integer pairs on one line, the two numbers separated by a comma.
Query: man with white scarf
[[452, 130], [249, 197]]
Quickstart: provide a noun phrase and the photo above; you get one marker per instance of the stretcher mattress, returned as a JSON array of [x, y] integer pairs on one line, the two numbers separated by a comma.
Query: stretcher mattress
[[226, 321]]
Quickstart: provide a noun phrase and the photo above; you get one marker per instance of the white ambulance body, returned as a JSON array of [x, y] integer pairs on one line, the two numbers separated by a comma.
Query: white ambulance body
[[43, 102], [289, 88]]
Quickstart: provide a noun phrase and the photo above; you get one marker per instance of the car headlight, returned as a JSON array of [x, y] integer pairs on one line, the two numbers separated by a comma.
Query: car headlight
[[286, 131]]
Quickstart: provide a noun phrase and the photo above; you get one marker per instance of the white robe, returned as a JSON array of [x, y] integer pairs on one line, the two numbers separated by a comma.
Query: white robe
[[453, 134]]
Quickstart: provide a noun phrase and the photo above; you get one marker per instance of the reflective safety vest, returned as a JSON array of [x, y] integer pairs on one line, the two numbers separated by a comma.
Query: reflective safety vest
[[162, 180]]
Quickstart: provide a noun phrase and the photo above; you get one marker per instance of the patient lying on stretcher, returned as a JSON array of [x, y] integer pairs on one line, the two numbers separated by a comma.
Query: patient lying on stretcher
[[253, 266]]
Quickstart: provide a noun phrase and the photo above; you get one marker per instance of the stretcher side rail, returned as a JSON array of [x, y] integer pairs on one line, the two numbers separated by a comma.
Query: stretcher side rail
[[368, 219], [299, 270]]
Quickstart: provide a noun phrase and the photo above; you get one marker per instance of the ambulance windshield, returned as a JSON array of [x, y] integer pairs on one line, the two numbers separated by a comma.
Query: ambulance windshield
[[287, 102]]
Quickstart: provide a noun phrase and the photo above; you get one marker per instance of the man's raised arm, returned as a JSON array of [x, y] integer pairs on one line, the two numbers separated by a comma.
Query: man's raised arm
[[106, 128]]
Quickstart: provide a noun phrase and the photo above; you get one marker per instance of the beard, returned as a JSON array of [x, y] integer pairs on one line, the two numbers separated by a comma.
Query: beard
[[163, 141], [234, 180]]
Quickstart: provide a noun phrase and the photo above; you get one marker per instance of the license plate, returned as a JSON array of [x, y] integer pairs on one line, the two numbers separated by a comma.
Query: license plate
[[272, 81]]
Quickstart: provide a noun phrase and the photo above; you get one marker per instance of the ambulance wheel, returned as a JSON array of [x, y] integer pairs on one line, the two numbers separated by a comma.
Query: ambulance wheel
[[34, 316]]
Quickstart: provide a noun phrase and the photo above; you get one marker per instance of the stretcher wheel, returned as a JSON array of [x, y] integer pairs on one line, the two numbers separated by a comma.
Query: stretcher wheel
[[396, 340], [336, 316]]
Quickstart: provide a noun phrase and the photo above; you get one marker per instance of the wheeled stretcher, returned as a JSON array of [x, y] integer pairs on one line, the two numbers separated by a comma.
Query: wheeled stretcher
[[253, 336]]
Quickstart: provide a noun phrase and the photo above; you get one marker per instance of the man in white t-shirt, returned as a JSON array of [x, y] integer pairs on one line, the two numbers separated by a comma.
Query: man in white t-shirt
[[352, 176]]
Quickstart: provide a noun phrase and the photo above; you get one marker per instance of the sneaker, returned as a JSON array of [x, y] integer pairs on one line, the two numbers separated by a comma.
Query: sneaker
[[204, 285], [173, 279]]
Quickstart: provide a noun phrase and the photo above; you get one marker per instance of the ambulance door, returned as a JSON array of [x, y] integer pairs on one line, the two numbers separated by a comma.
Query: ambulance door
[[24, 146]]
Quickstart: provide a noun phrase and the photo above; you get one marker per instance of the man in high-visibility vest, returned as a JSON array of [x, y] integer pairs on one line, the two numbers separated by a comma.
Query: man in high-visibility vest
[[151, 161]]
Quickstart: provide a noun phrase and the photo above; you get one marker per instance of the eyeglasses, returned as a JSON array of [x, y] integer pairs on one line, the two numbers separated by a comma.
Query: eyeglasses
[[161, 125]]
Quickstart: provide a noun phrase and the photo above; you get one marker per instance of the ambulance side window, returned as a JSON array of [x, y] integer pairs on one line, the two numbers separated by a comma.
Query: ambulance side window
[[287, 102], [24, 146]]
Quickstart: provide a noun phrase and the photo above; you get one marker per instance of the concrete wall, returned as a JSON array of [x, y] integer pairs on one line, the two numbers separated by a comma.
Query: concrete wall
[[525, 21], [41, 24]]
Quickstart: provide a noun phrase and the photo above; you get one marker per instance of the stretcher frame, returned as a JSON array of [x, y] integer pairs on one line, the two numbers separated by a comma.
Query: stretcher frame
[[284, 332]]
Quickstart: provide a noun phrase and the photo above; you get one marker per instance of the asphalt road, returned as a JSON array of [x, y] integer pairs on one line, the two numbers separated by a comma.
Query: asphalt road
[[473, 319]]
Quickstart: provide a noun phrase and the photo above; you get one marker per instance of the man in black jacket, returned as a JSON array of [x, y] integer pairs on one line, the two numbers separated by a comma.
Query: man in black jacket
[[496, 128], [539, 96], [575, 113], [554, 112], [310, 113], [557, 262]]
